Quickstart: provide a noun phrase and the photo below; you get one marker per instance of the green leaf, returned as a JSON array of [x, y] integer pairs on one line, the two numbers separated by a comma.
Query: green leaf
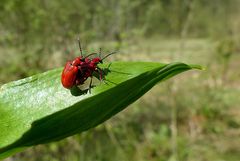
[[39, 110]]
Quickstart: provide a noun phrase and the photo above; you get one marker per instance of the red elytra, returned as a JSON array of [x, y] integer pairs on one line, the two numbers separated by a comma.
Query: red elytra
[[80, 69], [69, 75]]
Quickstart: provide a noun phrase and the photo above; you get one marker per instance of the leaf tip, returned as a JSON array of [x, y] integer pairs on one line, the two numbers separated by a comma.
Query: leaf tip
[[199, 67]]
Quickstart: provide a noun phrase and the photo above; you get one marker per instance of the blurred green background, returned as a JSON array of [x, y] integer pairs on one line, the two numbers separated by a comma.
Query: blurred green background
[[193, 117]]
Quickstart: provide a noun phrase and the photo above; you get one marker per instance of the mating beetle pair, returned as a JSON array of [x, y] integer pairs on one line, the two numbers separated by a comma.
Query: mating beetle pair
[[76, 72]]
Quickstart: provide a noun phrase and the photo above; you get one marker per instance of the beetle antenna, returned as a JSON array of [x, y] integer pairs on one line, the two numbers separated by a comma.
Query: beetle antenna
[[109, 55], [100, 52], [79, 44], [90, 55]]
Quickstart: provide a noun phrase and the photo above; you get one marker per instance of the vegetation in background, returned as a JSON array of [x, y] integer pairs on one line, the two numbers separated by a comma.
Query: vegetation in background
[[40, 35]]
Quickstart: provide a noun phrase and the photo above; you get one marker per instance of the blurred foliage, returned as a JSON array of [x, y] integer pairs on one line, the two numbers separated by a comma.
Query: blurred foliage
[[25, 22], [40, 35]]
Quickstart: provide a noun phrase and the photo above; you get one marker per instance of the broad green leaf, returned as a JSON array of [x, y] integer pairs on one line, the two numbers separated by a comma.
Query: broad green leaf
[[39, 110]]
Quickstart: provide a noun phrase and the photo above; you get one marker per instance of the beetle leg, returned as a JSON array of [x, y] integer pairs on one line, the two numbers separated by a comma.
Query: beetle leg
[[101, 74], [90, 86]]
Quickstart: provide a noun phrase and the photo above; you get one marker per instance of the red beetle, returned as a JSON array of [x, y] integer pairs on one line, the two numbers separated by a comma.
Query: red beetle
[[70, 71], [77, 71]]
